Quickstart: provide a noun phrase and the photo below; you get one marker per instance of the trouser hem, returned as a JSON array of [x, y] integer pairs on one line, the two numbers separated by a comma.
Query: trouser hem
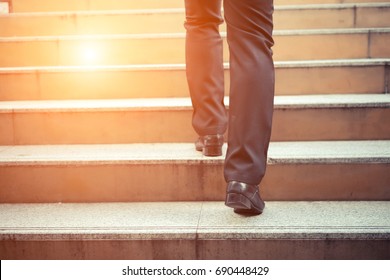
[[243, 179]]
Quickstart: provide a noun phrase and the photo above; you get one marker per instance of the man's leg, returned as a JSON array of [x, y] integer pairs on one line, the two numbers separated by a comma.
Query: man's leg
[[204, 62], [249, 28]]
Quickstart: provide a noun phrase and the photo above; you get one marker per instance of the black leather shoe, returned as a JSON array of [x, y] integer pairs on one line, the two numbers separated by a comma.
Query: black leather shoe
[[244, 198], [210, 145]]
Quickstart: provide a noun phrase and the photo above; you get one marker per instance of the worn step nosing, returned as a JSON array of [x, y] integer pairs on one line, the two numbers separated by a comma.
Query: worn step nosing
[[153, 36], [184, 104], [380, 233], [181, 10], [181, 66], [305, 152], [332, 6], [70, 14]]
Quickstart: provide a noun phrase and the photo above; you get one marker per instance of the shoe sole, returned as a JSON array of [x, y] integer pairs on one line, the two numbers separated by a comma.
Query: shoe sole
[[241, 204]]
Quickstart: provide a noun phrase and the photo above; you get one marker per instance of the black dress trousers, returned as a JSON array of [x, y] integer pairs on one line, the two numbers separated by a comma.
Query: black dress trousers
[[252, 79]]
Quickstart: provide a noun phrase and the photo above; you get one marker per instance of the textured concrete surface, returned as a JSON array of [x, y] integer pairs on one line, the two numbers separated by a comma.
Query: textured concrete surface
[[279, 152], [333, 101], [194, 220], [330, 152], [299, 220], [101, 221]]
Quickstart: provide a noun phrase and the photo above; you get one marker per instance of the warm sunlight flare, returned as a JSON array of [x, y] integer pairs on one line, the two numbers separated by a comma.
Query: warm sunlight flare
[[90, 53]]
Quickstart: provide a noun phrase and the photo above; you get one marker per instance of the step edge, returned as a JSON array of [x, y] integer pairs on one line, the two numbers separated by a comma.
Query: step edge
[[96, 13], [330, 101], [333, 6], [181, 66], [199, 227], [181, 10], [292, 152], [201, 234], [181, 35]]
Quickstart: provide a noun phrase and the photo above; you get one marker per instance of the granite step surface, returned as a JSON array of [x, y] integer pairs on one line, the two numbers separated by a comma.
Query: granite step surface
[[319, 170], [195, 230]]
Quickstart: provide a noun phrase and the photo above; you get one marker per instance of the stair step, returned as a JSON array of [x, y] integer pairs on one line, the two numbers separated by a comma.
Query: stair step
[[169, 48], [82, 5], [333, 16], [199, 230], [340, 170], [132, 81], [342, 117], [22, 6], [365, 15]]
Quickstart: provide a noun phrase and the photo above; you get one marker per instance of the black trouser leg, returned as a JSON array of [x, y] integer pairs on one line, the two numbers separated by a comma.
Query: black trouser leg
[[249, 31], [204, 66]]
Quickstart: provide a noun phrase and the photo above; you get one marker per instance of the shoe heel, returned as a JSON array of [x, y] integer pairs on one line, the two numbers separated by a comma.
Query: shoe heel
[[237, 201], [212, 151]]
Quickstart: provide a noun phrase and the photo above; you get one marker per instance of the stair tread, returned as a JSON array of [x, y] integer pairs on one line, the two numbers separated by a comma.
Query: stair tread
[[181, 66], [181, 10], [184, 103], [194, 220], [333, 6], [182, 34], [321, 152]]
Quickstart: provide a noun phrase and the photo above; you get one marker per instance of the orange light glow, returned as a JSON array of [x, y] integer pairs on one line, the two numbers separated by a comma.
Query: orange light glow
[[90, 53]]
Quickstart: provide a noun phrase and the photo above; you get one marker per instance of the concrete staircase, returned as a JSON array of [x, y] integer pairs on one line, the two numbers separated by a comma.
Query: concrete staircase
[[96, 145]]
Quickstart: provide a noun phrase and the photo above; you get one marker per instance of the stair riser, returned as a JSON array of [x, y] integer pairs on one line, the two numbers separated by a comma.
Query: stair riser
[[175, 126], [85, 5], [127, 23], [279, 249], [199, 249], [172, 50], [99, 250], [119, 182], [41, 85], [381, 44], [359, 17]]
